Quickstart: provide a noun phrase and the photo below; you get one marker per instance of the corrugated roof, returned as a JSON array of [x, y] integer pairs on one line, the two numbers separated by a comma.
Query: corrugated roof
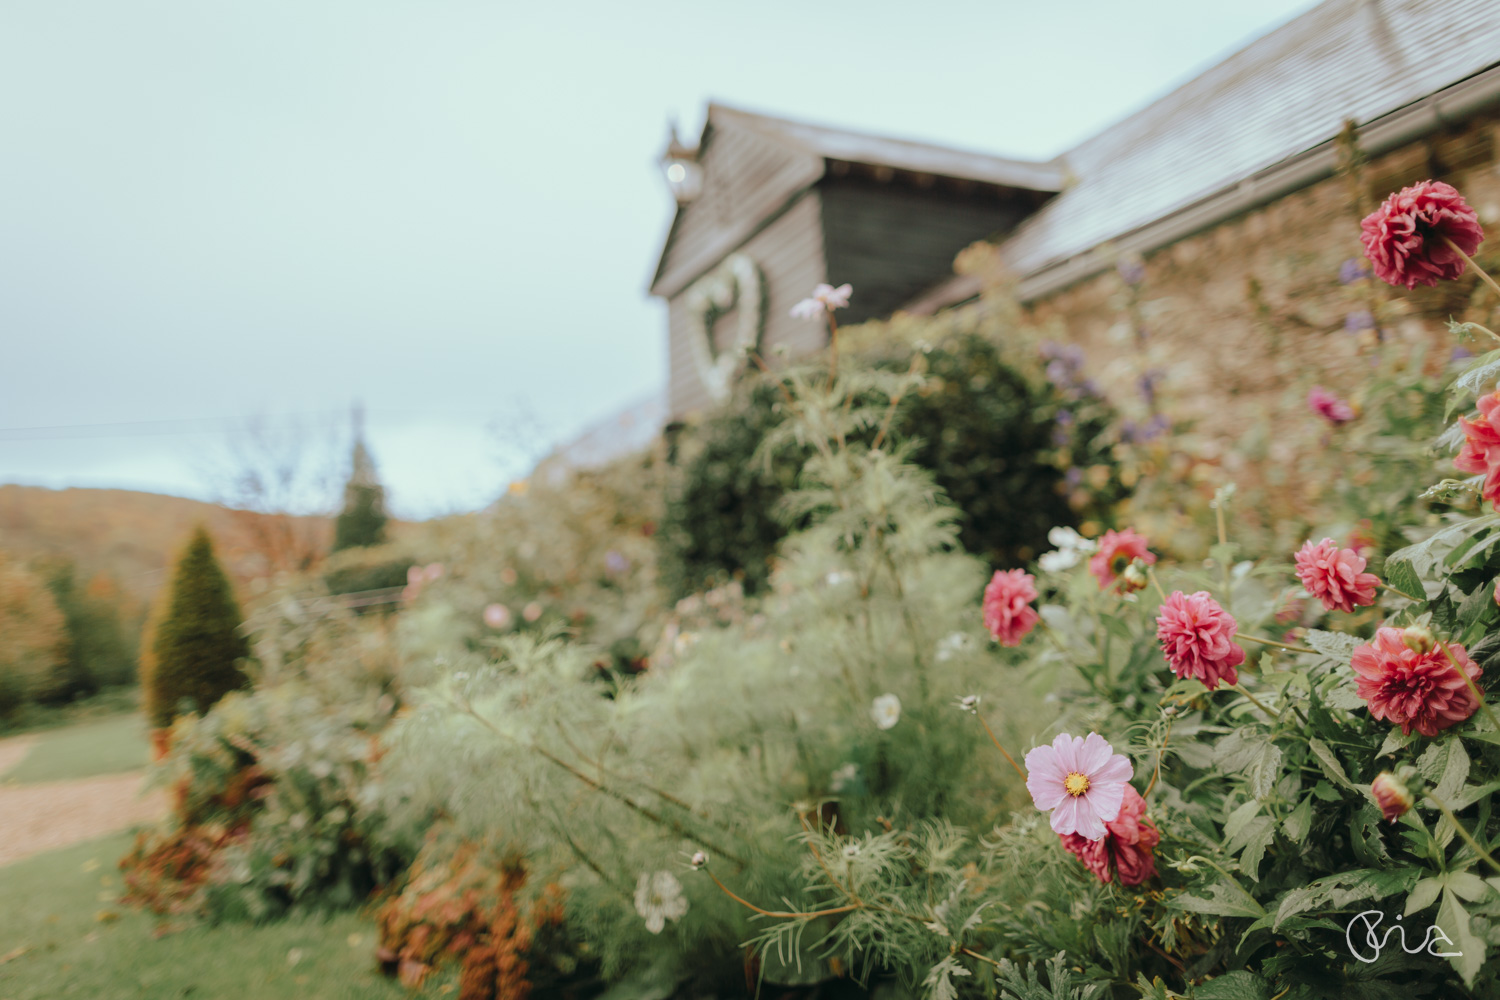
[[901, 154], [1283, 94]]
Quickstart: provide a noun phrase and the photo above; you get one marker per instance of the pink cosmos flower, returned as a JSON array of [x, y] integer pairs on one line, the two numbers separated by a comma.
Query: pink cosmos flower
[[1406, 237], [1126, 847], [1081, 781], [1197, 636], [1117, 550], [825, 298], [1415, 690], [1335, 576], [497, 616], [1007, 606], [1328, 406], [1480, 454]]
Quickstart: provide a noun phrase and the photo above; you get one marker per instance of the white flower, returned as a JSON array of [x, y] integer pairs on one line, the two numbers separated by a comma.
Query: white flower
[[698, 860], [1067, 538], [969, 703], [824, 298], [851, 851], [886, 711], [658, 898], [844, 777], [1054, 562], [838, 576]]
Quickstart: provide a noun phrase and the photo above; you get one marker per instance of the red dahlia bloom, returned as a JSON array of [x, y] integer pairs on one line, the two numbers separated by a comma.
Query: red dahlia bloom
[[1007, 606], [1197, 636], [1126, 845], [1328, 406], [1336, 576], [1406, 237], [1481, 451], [1415, 690], [1391, 795], [1117, 550]]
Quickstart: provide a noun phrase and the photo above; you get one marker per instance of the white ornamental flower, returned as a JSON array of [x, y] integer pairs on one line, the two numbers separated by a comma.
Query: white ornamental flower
[[886, 711], [659, 898], [844, 777], [1067, 538], [1056, 562], [824, 298], [951, 645]]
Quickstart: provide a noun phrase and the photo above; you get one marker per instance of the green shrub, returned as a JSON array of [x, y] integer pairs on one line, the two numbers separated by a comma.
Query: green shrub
[[100, 652], [192, 657], [362, 521], [1017, 454], [33, 637]]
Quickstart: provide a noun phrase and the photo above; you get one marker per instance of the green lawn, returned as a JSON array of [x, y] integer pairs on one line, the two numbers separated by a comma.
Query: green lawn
[[106, 746], [54, 944]]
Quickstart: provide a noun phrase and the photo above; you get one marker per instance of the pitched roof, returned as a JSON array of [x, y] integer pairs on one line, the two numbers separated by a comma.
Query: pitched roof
[[900, 154], [1283, 94]]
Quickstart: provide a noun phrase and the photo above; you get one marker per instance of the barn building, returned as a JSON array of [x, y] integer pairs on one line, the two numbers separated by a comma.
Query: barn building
[[1226, 179]]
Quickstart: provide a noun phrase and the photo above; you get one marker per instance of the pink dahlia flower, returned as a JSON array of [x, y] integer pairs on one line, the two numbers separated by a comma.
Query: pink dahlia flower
[[1415, 690], [1197, 636], [1007, 606], [1081, 781], [1117, 550], [1406, 237], [1391, 795], [1328, 406], [1126, 846], [1336, 576], [1480, 454]]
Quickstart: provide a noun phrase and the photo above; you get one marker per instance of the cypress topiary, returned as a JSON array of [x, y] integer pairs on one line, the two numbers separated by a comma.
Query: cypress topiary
[[191, 656], [361, 523]]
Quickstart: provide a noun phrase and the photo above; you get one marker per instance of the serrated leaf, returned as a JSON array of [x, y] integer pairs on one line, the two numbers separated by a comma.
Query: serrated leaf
[[1466, 952], [1395, 740], [1345, 697], [1334, 645], [1236, 823], [1468, 886], [1338, 891], [1238, 985], [1330, 763], [1259, 835], [1251, 753], [1477, 604], [1400, 574], [1220, 902], [1478, 374], [1423, 895], [1298, 823]]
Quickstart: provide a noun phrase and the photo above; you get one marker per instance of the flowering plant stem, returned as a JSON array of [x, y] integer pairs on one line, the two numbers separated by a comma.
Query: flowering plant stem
[[1278, 645], [1467, 837], [1475, 267], [1008, 758], [1240, 689], [833, 346], [1473, 688], [1402, 593]]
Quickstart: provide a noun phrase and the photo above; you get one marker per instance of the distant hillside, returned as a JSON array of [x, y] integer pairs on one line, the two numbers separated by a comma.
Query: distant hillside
[[133, 536]]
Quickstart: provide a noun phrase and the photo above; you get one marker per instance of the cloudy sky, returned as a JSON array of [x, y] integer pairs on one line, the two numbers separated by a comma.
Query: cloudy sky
[[212, 211]]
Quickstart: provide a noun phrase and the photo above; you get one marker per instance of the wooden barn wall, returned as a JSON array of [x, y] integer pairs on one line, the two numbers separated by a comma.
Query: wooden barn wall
[[789, 253], [747, 178], [892, 242]]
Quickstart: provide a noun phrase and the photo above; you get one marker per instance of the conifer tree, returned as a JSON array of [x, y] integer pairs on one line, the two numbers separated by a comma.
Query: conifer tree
[[194, 644], [362, 521]]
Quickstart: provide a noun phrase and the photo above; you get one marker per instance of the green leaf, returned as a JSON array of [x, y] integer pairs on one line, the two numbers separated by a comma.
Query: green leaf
[[1477, 374], [1338, 891], [1259, 835], [1238, 985], [1453, 921], [1236, 824], [1468, 885], [1477, 604], [1334, 645], [1395, 740], [1251, 753], [1298, 824], [1222, 901], [1400, 574], [1330, 763], [1423, 895]]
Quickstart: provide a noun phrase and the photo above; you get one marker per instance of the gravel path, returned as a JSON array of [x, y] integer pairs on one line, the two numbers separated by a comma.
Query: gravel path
[[40, 817]]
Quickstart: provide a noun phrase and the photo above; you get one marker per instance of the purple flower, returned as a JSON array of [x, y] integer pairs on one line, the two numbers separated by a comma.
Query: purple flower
[[1148, 382], [1460, 354], [1074, 476], [615, 562], [1353, 270], [1359, 320]]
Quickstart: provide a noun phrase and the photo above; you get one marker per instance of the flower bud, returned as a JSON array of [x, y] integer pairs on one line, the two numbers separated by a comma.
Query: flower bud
[[1418, 638], [1391, 795], [1134, 578], [969, 703], [698, 860]]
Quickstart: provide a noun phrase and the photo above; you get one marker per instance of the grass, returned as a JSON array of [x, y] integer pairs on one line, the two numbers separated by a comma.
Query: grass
[[62, 935], [32, 718], [107, 746]]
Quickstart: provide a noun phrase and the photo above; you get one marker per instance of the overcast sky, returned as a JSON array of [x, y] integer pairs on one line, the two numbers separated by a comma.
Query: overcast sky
[[211, 211]]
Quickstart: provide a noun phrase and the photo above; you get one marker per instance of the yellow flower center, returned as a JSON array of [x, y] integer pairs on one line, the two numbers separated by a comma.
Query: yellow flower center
[[1075, 784]]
